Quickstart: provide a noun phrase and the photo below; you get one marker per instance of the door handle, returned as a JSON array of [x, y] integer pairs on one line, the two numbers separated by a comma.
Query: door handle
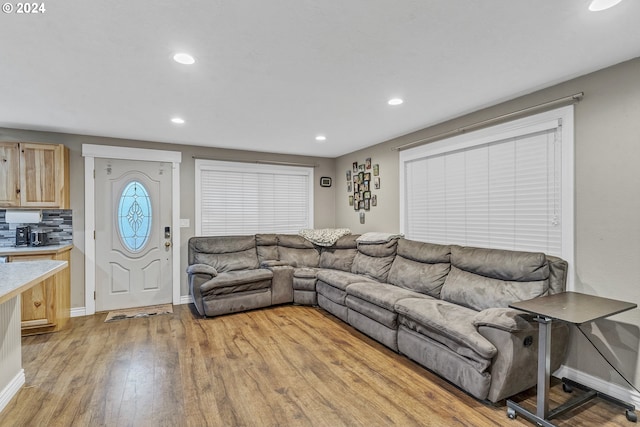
[[167, 244]]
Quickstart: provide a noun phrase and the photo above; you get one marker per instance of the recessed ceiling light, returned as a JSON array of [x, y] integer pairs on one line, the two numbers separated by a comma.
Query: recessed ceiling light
[[177, 120], [395, 101], [183, 58], [598, 5], [321, 138]]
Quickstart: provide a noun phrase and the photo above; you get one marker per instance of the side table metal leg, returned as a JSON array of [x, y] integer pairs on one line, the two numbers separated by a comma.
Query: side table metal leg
[[541, 417], [544, 367]]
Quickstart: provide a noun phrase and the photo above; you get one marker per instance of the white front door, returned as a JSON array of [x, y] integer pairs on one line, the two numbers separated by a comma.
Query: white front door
[[133, 233]]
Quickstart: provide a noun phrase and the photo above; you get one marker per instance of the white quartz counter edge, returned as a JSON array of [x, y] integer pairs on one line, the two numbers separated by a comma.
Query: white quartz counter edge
[[17, 277], [33, 250]]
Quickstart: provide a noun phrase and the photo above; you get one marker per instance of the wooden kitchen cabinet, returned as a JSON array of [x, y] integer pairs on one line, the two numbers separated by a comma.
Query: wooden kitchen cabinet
[[9, 174], [37, 175], [46, 307]]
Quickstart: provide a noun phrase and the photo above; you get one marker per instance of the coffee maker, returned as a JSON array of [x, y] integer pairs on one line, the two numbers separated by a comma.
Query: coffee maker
[[23, 236]]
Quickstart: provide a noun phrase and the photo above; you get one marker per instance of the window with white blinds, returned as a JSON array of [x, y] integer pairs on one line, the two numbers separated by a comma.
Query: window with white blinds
[[506, 187], [235, 198]]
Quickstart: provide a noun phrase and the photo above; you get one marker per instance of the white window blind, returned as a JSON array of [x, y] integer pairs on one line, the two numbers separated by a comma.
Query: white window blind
[[503, 187], [244, 198]]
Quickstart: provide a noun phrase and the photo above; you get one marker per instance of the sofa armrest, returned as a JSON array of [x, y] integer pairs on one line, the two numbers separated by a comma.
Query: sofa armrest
[[197, 275], [515, 334], [202, 269], [506, 319], [273, 263]]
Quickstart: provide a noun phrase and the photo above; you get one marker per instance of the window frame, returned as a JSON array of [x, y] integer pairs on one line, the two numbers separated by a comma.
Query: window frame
[[236, 166], [562, 118]]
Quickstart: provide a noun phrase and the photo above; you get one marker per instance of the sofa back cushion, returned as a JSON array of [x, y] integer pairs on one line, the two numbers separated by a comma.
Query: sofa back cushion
[[267, 247], [339, 256], [224, 253], [557, 274], [297, 251], [485, 278], [374, 259], [420, 267]]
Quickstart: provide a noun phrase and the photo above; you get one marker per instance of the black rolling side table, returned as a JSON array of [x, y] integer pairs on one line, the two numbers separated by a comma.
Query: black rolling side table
[[575, 308]]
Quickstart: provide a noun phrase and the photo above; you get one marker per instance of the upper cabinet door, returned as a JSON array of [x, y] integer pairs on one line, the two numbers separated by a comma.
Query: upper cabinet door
[[36, 175], [39, 175], [9, 174]]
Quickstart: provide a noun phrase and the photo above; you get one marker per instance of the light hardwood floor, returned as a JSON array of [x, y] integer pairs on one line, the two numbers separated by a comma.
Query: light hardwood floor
[[281, 366]]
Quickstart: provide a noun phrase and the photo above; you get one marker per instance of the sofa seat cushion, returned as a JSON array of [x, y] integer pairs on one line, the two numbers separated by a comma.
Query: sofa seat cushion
[[381, 315], [333, 294], [237, 281], [304, 279], [381, 294], [449, 324], [340, 279], [305, 272], [268, 263]]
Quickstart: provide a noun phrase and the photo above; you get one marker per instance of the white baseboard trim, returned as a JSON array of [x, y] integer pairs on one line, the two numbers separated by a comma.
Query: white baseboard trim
[[619, 392], [11, 389], [186, 299], [78, 312]]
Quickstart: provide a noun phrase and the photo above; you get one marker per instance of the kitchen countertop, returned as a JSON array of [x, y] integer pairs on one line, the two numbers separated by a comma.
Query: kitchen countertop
[[34, 250], [17, 277]]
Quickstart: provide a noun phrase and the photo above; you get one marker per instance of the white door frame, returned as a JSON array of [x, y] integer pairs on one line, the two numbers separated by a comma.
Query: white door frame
[[90, 152]]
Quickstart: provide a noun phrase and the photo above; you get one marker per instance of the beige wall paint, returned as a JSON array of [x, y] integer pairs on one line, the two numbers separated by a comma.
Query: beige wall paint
[[324, 198], [382, 217], [607, 203]]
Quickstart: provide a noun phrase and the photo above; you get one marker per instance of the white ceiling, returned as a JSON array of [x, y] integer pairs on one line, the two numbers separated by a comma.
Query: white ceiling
[[271, 75]]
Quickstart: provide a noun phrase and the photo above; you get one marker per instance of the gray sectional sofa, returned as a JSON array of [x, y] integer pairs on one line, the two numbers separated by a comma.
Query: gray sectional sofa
[[443, 306]]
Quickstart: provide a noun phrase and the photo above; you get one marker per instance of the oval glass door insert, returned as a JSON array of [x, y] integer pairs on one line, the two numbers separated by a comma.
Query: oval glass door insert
[[134, 216]]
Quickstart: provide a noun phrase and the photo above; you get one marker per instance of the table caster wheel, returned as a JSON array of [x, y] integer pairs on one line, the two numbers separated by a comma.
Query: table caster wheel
[[631, 416], [567, 388], [512, 414]]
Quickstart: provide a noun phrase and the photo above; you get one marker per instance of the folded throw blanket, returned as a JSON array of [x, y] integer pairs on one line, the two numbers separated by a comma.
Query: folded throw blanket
[[325, 236], [376, 237]]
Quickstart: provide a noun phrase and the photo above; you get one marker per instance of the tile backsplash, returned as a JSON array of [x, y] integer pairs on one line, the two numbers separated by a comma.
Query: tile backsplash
[[56, 222]]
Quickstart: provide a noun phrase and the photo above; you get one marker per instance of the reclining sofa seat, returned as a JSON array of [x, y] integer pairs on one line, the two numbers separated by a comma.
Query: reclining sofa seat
[[443, 306], [338, 257], [413, 270], [224, 276], [459, 334], [361, 264]]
